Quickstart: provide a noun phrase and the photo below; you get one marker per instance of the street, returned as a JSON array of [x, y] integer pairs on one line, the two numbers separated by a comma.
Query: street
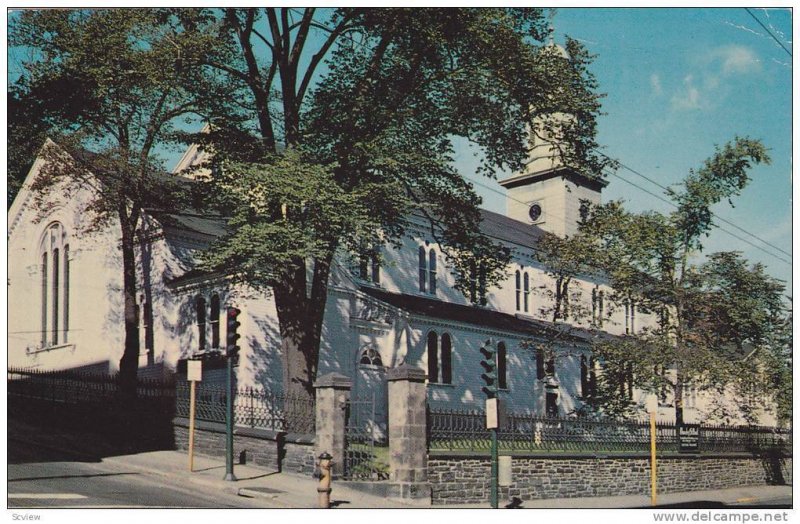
[[37, 481]]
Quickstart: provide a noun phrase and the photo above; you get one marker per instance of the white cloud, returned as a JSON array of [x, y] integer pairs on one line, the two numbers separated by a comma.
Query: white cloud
[[706, 88], [655, 84], [688, 97], [735, 59]]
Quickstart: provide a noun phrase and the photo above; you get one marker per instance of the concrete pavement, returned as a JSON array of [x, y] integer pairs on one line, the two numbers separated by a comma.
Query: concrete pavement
[[270, 489], [284, 490], [273, 489]]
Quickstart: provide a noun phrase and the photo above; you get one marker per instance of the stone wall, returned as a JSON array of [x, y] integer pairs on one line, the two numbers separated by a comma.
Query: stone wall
[[290, 453], [465, 479]]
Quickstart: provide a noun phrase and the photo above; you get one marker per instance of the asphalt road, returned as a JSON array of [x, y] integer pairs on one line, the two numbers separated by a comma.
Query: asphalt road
[[37, 481]]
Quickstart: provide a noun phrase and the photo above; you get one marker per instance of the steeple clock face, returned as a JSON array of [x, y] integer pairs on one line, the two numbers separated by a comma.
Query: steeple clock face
[[535, 211]]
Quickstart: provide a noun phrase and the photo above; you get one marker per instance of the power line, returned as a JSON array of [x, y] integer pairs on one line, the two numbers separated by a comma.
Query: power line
[[715, 225], [768, 31], [360, 44], [653, 195], [637, 173]]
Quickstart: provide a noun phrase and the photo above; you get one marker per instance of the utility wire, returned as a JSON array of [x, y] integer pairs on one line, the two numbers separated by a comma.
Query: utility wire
[[651, 194], [637, 173], [768, 31], [360, 44]]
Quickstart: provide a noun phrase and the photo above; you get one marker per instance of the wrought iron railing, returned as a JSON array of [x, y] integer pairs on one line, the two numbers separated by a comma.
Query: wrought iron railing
[[75, 387], [252, 408], [465, 430]]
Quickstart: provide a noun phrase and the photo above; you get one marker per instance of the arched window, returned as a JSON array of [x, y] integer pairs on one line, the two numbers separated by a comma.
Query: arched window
[[200, 309], [54, 252], [432, 272], [502, 381], [473, 281], [214, 321], [540, 363], [518, 281], [433, 357], [44, 299], [370, 357], [66, 292], [597, 307], [584, 377], [423, 270], [447, 359], [526, 291]]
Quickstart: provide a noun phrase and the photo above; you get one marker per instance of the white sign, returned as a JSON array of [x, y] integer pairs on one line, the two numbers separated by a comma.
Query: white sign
[[492, 421], [504, 470], [194, 370]]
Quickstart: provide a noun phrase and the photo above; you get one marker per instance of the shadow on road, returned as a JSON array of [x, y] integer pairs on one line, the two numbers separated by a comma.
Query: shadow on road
[[54, 477], [29, 442], [714, 504]]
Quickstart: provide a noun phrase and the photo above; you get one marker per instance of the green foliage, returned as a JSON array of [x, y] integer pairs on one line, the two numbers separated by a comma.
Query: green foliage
[[111, 86], [26, 134], [718, 320], [334, 127]]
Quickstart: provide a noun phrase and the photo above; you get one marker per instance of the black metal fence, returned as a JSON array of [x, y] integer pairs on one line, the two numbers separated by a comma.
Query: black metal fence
[[465, 430], [252, 408], [93, 404], [96, 398], [76, 387]]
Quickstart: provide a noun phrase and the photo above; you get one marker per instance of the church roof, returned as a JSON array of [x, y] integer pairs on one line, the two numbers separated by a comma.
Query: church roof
[[477, 316], [510, 230]]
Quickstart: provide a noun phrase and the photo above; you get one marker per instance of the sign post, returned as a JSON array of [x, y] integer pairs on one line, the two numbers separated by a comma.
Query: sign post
[[652, 407], [194, 374]]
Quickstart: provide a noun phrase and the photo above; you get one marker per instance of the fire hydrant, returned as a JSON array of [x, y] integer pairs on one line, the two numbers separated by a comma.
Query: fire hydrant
[[324, 488]]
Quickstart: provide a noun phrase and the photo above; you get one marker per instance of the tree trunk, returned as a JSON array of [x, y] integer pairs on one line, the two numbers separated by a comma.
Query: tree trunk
[[300, 318], [129, 363]]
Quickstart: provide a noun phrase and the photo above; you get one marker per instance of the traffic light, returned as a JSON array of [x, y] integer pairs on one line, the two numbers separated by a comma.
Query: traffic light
[[489, 364], [232, 346]]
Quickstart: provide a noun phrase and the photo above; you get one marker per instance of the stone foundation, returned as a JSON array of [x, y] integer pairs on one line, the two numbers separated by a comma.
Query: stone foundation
[[466, 479], [278, 451]]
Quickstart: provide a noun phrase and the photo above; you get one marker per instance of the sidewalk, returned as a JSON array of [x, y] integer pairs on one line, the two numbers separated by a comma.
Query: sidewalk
[[273, 489], [747, 496], [284, 490]]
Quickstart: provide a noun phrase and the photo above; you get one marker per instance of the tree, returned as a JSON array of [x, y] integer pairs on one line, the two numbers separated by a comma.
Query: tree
[[339, 126], [716, 319], [113, 84], [27, 132]]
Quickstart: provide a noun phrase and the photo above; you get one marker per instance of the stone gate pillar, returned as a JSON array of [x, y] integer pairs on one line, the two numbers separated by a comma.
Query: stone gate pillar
[[332, 395], [408, 449]]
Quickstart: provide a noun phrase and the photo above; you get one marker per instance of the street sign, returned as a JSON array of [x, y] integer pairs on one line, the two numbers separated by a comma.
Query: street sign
[[495, 413], [194, 370], [492, 418], [689, 438]]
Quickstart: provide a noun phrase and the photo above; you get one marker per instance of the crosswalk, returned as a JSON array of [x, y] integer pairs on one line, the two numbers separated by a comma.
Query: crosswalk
[[46, 496]]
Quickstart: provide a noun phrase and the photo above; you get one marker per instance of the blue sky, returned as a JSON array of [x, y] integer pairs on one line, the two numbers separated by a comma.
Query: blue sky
[[678, 82]]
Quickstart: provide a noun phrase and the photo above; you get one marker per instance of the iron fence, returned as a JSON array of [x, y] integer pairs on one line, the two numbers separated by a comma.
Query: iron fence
[[465, 430], [75, 387], [252, 408]]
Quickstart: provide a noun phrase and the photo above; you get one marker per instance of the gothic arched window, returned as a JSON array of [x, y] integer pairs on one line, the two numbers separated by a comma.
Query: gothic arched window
[[447, 359], [214, 321], [54, 270], [370, 357], [200, 308]]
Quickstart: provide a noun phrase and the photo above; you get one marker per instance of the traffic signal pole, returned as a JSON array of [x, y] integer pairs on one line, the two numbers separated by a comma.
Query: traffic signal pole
[[493, 496], [232, 350], [229, 424], [489, 364]]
